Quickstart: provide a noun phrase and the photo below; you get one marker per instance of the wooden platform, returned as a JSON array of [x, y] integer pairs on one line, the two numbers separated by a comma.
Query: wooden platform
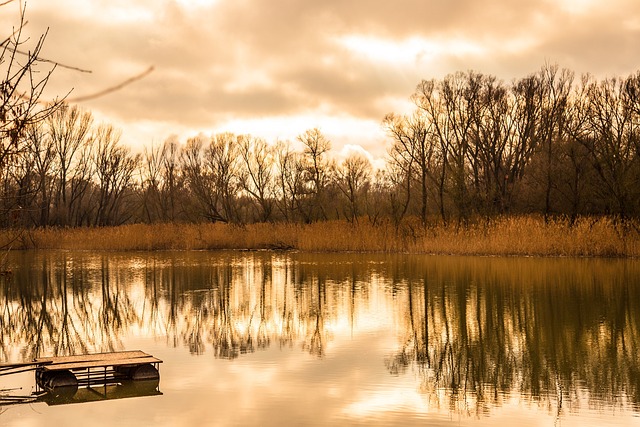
[[86, 370], [96, 360]]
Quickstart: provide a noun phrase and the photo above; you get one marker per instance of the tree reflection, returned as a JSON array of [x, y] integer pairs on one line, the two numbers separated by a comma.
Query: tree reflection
[[553, 338], [476, 330], [315, 337], [48, 309], [229, 338]]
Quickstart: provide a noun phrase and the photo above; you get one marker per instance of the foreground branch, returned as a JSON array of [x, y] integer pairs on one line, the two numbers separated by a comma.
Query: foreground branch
[[113, 88]]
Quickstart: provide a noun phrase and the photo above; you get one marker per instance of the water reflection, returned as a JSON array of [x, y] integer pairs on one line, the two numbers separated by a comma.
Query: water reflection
[[552, 331], [124, 390], [476, 331]]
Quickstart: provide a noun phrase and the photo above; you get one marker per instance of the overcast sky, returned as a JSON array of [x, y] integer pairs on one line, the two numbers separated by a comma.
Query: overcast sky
[[274, 68]]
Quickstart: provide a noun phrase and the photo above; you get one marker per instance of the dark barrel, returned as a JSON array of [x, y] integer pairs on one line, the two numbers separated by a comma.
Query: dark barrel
[[62, 383], [139, 372]]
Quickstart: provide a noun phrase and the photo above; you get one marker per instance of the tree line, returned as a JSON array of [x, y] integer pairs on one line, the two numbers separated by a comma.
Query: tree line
[[71, 171], [544, 144], [474, 146]]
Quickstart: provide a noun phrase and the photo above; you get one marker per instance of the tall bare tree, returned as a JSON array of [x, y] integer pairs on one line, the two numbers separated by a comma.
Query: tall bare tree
[[114, 169], [290, 180], [316, 147], [353, 178], [257, 178], [69, 129], [161, 180], [556, 88], [213, 176], [414, 144], [453, 107], [24, 76], [42, 151], [611, 135]]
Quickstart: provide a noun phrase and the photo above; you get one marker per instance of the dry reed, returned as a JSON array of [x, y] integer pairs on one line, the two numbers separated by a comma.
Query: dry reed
[[523, 236]]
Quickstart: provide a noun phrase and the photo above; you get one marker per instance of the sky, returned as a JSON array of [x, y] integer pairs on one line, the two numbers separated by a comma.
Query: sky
[[275, 68]]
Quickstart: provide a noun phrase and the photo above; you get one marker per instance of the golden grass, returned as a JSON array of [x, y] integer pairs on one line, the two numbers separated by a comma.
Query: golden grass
[[525, 236]]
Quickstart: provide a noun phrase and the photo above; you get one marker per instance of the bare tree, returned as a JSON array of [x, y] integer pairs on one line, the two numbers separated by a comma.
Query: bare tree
[[201, 188], [80, 184], [352, 178], [453, 107], [161, 180], [42, 150], [222, 159], [505, 135], [21, 90], [69, 129], [290, 180], [114, 169], [396, 183], [413, 141], [610, 135], [24, 78], [632, 100], [556, 89], [151, 175], [316, 147], [258, 178], [171, 178], [493, 146], [213, 176]]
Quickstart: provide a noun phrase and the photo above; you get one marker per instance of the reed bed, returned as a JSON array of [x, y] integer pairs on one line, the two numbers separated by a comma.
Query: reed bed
[[521, 236]]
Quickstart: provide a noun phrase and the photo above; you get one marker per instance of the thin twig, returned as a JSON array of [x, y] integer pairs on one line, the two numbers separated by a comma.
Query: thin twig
[[56, 63], [111, 89]]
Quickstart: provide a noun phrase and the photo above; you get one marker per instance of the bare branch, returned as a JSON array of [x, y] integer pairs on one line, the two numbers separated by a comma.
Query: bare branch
[[56, 63], [113, 88]]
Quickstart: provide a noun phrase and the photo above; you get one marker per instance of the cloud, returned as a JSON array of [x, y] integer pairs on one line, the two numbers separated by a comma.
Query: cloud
[[246, 61]]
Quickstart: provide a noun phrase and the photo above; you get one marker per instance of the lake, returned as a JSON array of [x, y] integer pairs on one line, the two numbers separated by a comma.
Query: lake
[[272, 339]]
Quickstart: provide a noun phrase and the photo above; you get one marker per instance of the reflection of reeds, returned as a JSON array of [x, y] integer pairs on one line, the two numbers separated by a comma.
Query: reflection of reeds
[[528, 235]]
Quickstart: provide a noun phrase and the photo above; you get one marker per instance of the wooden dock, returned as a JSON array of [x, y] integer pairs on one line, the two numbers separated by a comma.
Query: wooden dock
[[97, 368], [86, 378]]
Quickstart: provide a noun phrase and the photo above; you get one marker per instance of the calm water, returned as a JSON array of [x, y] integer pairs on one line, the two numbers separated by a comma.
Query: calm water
[[305, 339]]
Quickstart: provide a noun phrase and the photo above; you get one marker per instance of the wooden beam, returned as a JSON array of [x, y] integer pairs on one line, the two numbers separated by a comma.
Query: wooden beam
[[93, 357], [17, 365], [100, 363]]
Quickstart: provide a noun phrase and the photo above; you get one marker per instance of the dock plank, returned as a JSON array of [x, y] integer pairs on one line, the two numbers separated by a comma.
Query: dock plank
[[4, 366], [100, 363], [92, 357]]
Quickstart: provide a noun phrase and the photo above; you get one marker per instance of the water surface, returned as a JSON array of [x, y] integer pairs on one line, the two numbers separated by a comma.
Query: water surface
[[264, 338]]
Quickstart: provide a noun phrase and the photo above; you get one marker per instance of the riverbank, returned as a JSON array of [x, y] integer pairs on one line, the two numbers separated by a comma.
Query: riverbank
[[520, 236]]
